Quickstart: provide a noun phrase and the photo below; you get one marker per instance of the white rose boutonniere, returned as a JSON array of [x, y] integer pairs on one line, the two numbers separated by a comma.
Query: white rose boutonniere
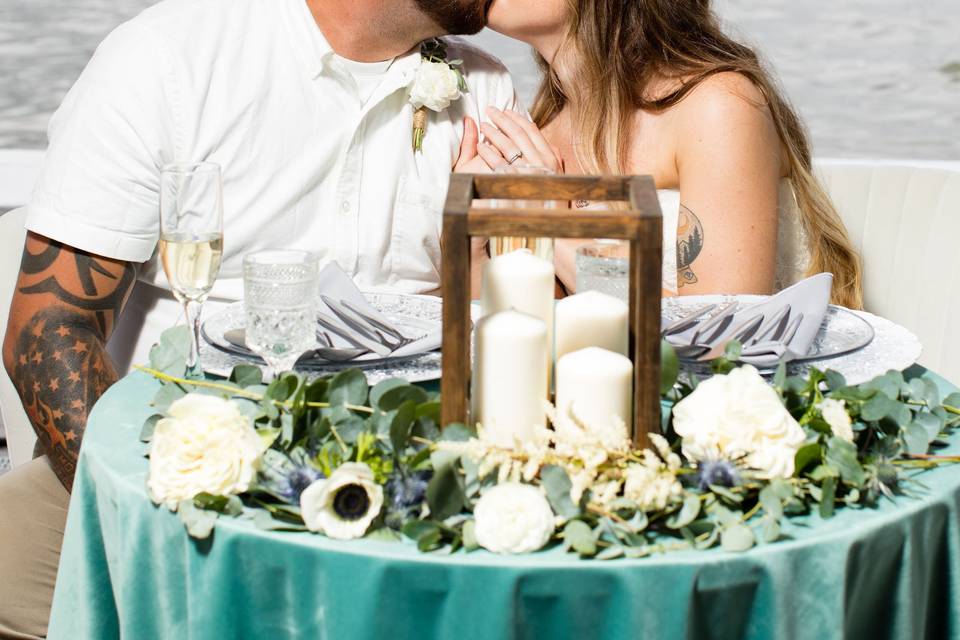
[[437, 83], [739, 414], [343, 505], [513, 518], [205, 445], [835, 414]]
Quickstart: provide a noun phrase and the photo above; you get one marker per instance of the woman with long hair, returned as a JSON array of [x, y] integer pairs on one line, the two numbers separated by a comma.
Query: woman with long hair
[[655, 87]]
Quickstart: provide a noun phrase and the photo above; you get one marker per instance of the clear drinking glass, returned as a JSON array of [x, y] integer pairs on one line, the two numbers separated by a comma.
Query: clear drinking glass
[[604, 266], [280, 299], [541, 247], [191, 239]]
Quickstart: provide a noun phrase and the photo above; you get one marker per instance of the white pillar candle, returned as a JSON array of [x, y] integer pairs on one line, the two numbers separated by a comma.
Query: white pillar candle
[[592, 319], [599, 385], [510, 378], [520, 281]]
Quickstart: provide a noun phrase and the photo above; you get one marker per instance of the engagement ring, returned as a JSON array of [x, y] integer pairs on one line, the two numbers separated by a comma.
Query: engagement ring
[[515, 157]]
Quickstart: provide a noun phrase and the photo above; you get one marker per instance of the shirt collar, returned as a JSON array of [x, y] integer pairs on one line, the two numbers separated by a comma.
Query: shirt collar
[[316, 53]]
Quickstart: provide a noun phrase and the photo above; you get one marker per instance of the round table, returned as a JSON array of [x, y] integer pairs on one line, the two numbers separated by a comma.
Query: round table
[[128, 569]]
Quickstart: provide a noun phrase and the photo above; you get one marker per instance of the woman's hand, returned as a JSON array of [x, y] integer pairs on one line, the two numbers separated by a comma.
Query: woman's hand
[[512, 138]]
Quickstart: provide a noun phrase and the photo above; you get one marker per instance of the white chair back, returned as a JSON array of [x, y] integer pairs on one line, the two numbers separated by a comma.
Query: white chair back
[[904, 217], [20, 436]]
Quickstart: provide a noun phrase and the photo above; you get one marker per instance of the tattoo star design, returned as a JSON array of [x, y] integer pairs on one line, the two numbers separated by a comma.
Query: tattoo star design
[[36, 387], [58, 355], [70, 435], [74, 377], [77, 404], [55, 384], [23, 359], [63, 332], [38, 329], [37, 357], [57, 414], [79, 347]]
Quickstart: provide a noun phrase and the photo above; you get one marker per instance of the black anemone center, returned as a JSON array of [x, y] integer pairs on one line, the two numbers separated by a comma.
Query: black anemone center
[[351, 502]]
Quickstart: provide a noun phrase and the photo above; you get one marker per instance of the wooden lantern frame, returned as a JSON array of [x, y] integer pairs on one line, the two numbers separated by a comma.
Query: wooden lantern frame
[[641, 225]]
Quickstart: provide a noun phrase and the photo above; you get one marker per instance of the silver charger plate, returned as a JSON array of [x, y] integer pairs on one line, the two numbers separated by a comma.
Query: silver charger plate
[[413, 315], [857, 344]]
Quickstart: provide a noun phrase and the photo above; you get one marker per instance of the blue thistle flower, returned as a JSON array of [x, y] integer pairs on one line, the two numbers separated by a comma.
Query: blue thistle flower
[[285, 477], [721, 473], [405, 493]]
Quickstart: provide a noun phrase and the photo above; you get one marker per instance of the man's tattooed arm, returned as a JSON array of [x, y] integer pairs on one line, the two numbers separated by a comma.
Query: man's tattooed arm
[[689, 246], [64, 309]]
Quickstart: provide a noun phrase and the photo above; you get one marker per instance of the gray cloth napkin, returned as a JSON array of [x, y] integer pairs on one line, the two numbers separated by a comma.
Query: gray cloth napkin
[[335, 283], [811, 297]]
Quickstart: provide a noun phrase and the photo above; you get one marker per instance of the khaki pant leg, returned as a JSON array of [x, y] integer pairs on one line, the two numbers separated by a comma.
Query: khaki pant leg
[[33, 514]]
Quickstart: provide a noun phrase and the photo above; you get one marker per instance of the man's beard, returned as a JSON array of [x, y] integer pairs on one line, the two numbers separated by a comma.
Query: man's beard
[[458, 17]]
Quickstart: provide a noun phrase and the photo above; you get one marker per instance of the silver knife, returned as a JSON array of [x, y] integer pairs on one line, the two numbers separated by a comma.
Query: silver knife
[[353, 337]]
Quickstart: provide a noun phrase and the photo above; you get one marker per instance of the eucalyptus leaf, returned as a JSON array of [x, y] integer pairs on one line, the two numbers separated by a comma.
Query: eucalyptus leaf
[[687, 514], [469, 533], [199, 522], [807, 455], [265, 521], [843, 455], [556, 483], [402, 425], [916, 438], [733, 350], [397, 396], [953, 400], [377, 391], [828, 493], [932, 423], [383, 534], [168, 394], [780, 377], [444, 493], [169, 355], [611, 553], [878, 407], [772, 505], [669, 367], [578, 535], [246, 375], [771, 529], [349, 387], [737, 537], [149, 425], [834, 379]]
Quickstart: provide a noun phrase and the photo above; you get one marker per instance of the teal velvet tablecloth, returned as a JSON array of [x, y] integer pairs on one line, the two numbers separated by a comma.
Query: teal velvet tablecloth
[[129, 570]]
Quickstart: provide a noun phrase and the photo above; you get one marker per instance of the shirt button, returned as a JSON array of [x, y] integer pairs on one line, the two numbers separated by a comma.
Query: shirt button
[[345, 206]]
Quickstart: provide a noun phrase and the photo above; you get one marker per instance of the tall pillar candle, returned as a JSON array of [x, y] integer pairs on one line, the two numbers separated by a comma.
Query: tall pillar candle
[[592, 319], [598, 385], [520, 281], [510, 378]]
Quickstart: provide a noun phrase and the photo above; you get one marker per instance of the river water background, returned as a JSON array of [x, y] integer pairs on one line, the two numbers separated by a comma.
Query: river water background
[[872, 78]]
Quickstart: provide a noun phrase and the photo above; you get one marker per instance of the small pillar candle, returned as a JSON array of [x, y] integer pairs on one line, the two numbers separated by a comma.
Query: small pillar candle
[[520, 281], [592, 319], [599, 385], [510, 378]]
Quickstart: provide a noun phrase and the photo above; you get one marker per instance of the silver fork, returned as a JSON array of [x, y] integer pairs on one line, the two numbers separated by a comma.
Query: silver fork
[[370, 326]]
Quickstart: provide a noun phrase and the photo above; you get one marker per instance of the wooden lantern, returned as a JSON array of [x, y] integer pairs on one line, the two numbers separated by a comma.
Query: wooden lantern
[[641, 225]]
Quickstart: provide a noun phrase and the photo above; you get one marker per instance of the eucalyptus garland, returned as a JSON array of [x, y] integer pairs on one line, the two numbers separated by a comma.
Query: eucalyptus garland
[[373, 460]]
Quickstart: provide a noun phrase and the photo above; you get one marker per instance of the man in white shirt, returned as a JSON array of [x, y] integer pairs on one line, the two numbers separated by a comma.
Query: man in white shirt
[[304, 104]]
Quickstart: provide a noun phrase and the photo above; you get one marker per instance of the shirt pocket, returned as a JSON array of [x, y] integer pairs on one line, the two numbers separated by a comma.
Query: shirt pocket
[[417, 225]]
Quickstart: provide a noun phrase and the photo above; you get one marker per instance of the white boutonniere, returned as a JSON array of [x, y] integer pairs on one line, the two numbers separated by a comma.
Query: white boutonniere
[[437, 83]]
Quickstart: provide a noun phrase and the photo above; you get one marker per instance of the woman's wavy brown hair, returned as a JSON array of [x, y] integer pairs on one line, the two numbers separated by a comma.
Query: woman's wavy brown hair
[[618, 49]]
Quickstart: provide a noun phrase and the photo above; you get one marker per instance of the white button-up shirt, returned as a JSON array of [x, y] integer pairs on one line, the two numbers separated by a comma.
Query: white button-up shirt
[[254, 86]]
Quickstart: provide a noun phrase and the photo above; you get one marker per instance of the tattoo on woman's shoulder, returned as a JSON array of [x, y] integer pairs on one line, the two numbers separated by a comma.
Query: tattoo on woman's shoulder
[[689, 245]]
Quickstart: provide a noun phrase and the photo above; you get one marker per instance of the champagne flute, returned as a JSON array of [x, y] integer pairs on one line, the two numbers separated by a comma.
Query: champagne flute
[[191, 239], [280, 301]]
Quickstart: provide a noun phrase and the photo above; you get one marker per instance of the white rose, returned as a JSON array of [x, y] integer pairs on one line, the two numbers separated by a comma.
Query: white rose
[[343, 505], [513, 518], [435, 86], [835, 414], [206, 445], [739, 414]]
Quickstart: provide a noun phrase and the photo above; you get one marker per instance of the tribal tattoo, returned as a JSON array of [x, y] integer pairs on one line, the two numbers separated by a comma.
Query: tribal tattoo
[[689, 245], [66, 306]]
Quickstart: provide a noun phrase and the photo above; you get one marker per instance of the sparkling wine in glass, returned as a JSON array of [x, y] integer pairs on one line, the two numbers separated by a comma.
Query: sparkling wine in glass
[[280, 301], [191, 239]]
